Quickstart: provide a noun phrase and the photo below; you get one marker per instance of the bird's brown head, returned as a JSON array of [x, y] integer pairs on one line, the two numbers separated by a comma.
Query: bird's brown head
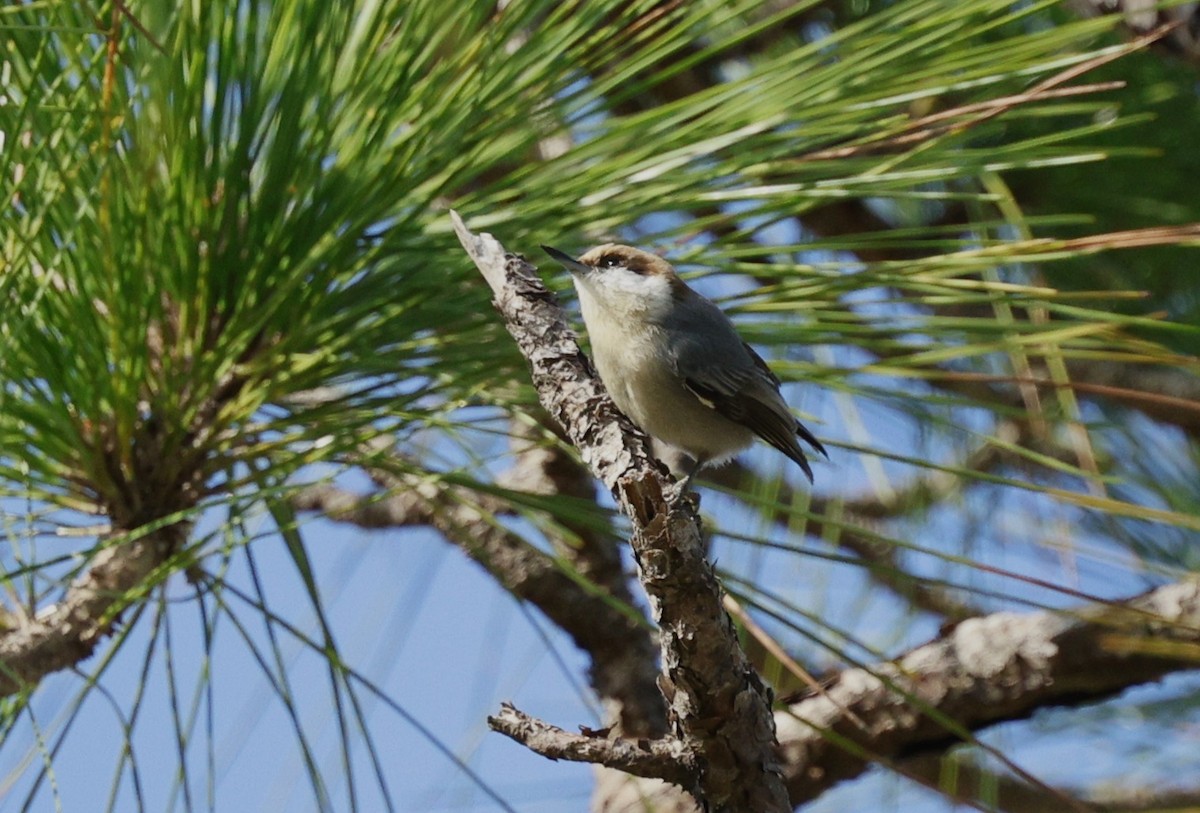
[[623, 284], [612, 268], [611, 256]]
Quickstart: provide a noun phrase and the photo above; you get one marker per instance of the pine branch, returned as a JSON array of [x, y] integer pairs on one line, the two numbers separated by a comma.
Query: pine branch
[[1181, 21], [984, 671], [624, 678], [63, 634], [665, 759], [718, 707]]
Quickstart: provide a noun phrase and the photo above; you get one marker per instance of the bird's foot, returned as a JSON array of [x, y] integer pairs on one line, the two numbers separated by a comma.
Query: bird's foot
[[681, 494]]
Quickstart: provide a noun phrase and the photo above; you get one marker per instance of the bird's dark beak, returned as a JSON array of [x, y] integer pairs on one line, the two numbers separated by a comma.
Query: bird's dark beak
[[567, 261]]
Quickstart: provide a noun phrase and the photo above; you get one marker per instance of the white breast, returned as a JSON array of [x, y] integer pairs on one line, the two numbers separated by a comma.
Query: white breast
[[630, 355]]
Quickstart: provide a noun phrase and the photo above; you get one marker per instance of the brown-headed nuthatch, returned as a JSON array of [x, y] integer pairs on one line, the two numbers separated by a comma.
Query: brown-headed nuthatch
[[673, 362]]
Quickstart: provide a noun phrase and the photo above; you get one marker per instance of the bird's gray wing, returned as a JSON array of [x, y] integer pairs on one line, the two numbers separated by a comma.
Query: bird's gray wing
[[741, 387], [801, 429]]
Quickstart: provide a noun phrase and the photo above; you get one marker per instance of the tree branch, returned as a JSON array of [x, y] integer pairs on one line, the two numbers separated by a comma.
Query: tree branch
[[665, 759], [718, 706], [1182, 21], [986, 670], [68, 632], [625, 681]]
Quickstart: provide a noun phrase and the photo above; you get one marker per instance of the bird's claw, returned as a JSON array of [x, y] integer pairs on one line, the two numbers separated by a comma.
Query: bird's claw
[[680, 493]]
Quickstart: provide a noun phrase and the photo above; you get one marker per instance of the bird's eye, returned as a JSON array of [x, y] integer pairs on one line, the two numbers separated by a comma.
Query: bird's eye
[[609, 262]]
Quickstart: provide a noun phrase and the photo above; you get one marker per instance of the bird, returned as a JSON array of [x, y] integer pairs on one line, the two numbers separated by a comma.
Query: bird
[[674, 364]]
